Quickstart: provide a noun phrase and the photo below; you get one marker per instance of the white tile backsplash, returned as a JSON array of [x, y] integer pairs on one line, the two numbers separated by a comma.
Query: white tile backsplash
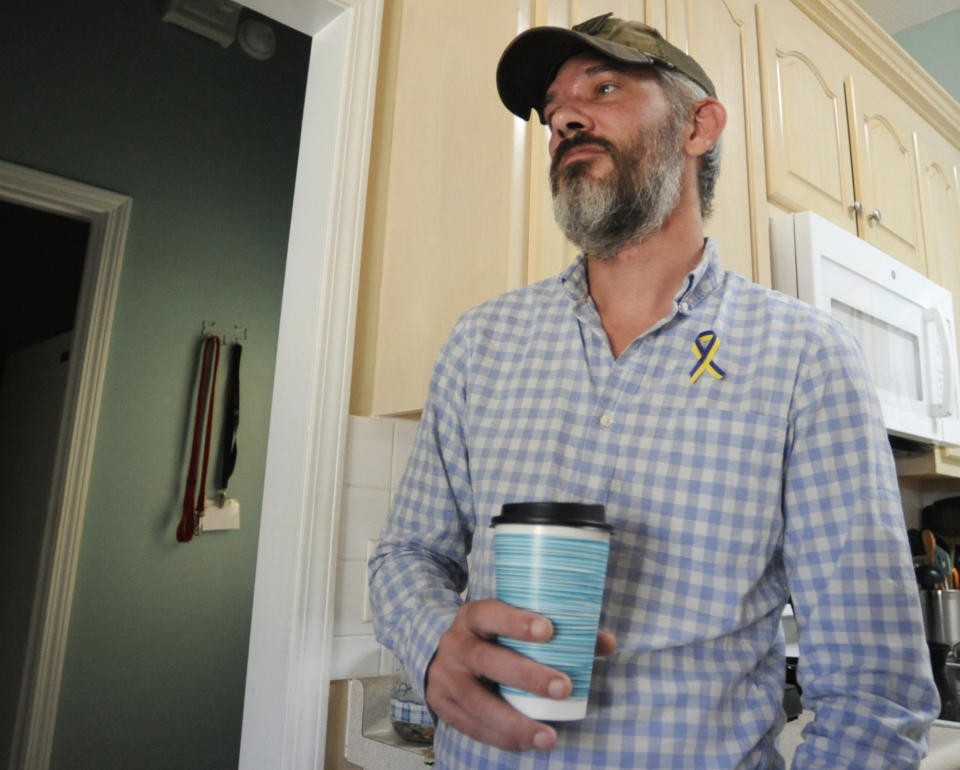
[[369, 452], [404, 432], [348, 605], [377, 452], [355, 656], [363, 515]]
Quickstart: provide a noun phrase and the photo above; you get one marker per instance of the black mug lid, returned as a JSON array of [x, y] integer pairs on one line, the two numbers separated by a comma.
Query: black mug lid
[[553, 513]]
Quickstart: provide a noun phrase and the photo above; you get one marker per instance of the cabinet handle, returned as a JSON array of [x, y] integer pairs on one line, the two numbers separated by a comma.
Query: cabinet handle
[[875, 215], [857, 207]]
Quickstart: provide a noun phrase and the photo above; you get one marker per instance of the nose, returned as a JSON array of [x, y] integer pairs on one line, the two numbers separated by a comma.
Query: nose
[[566, 120]]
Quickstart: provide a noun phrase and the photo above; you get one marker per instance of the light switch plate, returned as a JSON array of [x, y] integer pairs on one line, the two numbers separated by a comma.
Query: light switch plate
[[216, 517], [366, 613]]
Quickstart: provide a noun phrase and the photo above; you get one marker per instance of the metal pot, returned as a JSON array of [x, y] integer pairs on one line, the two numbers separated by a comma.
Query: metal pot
[[941, 616]]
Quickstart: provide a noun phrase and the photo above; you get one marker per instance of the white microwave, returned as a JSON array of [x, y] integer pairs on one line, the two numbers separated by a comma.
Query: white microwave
[[902, 319]]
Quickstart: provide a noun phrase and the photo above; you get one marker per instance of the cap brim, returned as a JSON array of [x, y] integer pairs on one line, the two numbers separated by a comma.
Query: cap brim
[[530, 63]]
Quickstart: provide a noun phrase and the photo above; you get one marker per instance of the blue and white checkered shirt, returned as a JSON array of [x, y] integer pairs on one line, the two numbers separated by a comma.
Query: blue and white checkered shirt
[[726, 493]]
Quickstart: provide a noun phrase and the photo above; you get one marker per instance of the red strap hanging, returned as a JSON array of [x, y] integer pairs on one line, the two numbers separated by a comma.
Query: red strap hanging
[[195, 492]]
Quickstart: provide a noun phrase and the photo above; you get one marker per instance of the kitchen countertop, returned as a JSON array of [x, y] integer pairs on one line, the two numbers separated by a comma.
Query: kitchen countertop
[[370, 740]]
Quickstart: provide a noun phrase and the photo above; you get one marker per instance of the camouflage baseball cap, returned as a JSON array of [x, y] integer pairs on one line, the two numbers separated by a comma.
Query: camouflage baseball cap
[[530, 63]]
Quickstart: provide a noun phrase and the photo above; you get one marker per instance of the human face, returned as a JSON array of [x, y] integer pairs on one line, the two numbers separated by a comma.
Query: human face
[[617, 162], [601, 97]]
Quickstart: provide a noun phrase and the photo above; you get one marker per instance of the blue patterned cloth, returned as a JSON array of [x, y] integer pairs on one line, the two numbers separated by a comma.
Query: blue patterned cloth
[[727, 494]]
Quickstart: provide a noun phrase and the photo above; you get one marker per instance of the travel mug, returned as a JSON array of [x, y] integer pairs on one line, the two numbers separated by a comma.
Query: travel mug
[[551, 558]]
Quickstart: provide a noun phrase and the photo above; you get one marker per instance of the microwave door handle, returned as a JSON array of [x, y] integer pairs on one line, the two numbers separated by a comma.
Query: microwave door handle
[[945, 407]]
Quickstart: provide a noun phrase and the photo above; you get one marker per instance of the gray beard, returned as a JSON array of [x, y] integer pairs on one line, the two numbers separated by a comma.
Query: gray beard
[[631, 202]]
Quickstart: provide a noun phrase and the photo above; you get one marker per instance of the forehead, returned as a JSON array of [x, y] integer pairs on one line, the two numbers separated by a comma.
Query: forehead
[[588, 65], [582, 62]]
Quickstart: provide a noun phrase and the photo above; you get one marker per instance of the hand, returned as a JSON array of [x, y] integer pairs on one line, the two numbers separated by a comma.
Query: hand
[[461, 680]]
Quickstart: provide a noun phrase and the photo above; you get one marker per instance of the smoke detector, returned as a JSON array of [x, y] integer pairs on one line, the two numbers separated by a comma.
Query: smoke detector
[[257, 39]]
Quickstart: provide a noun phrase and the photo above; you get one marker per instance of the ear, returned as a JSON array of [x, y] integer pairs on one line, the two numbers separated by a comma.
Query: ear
[[709, 118]]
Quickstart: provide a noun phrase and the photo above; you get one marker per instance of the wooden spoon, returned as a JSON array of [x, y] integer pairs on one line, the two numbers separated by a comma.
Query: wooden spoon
[[930, 546]]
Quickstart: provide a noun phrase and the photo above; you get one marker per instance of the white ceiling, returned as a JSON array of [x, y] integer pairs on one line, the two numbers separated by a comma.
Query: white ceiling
[[897, 15]]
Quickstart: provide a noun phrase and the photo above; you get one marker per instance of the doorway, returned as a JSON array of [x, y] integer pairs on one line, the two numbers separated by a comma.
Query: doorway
[[38, 305], [93, 222]]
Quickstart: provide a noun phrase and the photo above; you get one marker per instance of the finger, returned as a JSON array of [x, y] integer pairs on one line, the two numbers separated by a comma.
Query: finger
[[606, 644], [500, 664], [489, 618], [479, 713], [462, 651]]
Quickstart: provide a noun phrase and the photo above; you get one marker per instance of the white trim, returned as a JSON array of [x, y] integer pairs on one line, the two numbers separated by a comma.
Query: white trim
[[287, 687], [108, 214]]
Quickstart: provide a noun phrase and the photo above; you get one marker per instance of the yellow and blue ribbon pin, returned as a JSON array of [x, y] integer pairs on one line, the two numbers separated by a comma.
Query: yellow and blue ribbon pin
[[705, 348]]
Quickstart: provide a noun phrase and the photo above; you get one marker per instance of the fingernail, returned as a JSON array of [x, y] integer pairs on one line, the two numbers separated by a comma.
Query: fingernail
[[540, 628], [557, 689], [543, 740]]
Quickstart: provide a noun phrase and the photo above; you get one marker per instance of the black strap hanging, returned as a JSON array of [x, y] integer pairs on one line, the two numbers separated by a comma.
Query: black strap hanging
[[231, 420]]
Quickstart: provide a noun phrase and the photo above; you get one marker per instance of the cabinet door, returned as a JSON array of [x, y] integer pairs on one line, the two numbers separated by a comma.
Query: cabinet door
[[938, 162], [939, 176], [549, 251], [884, 170], [722, 36], [446, 223], [806, 142]]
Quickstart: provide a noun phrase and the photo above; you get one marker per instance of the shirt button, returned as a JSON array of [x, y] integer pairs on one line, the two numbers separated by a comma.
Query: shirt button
[[606, 420], [684, 307]]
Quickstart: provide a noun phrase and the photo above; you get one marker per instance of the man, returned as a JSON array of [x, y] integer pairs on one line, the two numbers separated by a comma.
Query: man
[[731, 432]]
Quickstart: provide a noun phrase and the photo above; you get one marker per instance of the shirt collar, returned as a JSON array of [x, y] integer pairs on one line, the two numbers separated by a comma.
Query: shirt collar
[[699, 283]]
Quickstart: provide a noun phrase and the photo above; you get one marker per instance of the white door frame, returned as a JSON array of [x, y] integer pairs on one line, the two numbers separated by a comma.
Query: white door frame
[[108, 214], [287, 685]]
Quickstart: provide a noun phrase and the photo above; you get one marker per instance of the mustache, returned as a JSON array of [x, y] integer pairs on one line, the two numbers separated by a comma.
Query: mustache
[[575, 141]]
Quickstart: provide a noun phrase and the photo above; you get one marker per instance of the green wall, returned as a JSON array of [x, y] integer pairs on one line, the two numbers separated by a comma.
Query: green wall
[[205, 141], [936, 47]]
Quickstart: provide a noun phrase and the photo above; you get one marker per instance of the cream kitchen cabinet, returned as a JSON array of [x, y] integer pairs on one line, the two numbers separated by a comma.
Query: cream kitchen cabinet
[[459, 206], [837, 142], [938, 168], [806, 141], [446, 223], [884, 171], [721, 35], [824, 111], [839, 135], [938, 164]]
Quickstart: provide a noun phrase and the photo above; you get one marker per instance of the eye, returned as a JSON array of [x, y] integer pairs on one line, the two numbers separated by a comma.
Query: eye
[[606, 88]]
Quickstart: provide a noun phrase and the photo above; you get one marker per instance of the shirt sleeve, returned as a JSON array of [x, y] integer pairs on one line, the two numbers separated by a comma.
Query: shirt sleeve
[[864, 666], [419, 570]]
